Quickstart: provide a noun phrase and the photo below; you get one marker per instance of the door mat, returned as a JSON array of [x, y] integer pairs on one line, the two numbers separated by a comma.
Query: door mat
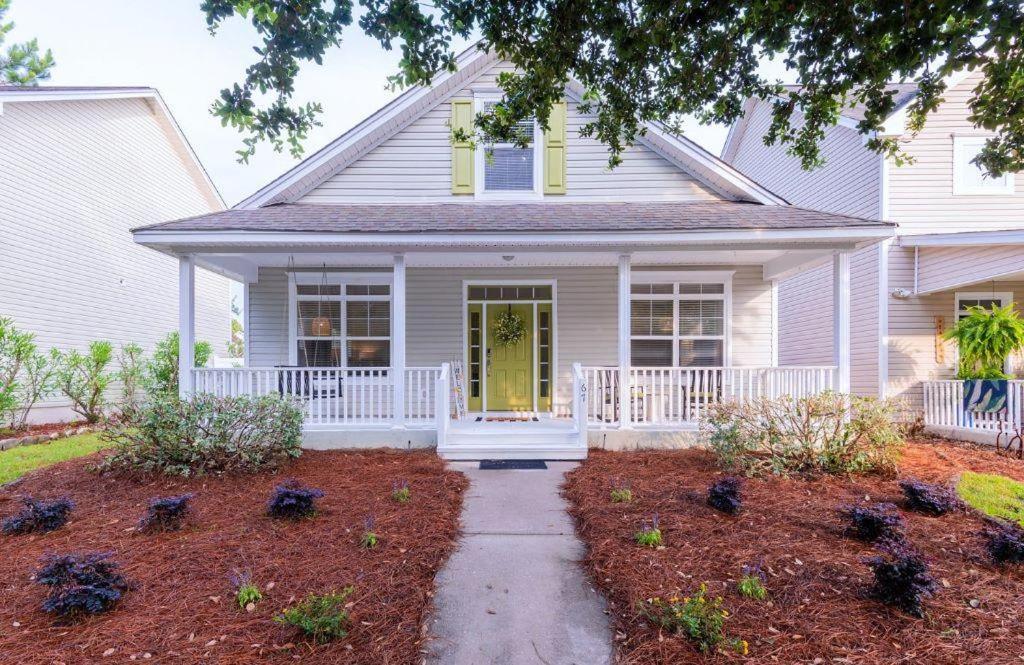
[[507, 419], [506, 464]]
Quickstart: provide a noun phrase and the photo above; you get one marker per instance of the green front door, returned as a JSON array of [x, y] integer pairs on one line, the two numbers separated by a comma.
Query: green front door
[[510, 368]]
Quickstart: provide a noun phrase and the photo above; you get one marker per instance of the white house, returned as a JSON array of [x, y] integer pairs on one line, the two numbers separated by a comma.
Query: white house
[[78, 168], [959, 242], [382, 270]]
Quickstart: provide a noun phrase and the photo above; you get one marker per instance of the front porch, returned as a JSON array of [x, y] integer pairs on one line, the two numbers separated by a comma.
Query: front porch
[[529, 343]]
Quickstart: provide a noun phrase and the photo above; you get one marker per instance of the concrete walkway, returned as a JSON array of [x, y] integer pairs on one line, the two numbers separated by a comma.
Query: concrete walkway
[[513, 592]]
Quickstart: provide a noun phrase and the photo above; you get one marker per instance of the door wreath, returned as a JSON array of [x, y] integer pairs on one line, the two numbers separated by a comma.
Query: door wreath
[[509, 328]]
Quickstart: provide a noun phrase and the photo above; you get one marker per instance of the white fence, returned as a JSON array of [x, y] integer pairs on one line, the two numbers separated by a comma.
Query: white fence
[[944, 407], [679, 395], [331, 395]]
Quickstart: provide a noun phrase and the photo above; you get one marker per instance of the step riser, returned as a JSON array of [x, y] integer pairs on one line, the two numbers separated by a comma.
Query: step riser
[[513, 440], [507, 453]]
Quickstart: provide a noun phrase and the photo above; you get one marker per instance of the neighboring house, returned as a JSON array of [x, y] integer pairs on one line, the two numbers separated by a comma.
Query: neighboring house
[[960, 242], [380, 271], [78, 168]]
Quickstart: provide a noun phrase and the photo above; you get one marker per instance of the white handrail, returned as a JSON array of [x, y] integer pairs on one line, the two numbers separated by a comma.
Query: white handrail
[[944, 407]]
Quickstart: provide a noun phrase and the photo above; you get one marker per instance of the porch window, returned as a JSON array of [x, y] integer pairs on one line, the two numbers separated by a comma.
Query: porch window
[[678, 324], [341, 324]]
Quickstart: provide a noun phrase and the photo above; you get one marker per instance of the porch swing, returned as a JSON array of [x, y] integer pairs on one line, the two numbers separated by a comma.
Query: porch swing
[[307, 384]]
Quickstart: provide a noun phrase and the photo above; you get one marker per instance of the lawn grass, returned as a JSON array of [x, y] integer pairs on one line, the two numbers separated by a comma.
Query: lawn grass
[[17, 462], [994, 495]]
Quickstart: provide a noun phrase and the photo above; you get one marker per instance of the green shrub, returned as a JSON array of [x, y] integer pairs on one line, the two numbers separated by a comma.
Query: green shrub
[[323, 618], [162, 370], [751, 586], [621, 492], [84, 379], [826, 433], [985, 339], [207, 434], [248, 594], [131, 372], [649, 534], [26, 375], [698, 617]]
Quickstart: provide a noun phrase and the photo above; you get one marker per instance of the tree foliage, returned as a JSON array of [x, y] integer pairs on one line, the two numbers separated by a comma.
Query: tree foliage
[[21, 64], [647, 61]]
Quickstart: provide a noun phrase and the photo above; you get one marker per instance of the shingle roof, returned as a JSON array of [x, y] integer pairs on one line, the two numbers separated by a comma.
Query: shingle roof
[[472, 217], [903, 93]]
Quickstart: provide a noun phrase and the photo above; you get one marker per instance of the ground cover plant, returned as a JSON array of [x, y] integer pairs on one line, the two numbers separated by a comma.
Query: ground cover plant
[[206, 434], [697, 617], [292, 500], [871, 523], [400, 491], [929, 498], [649, 534], [821, 604], [80, 584], [320, 617], [182, 606], [902, 577], [247, 593], [166, 513], [826, 433], [724, 495], [751, 584], [38, 516], [1005, 543], [620, 492]]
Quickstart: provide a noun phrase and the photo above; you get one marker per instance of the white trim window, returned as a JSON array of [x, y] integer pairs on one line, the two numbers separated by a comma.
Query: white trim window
[[680, 321], [505, 170], [968, 179], [964, 300], [340, 320]]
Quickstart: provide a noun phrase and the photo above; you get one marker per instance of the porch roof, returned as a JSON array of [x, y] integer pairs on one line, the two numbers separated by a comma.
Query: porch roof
[[516, 217]]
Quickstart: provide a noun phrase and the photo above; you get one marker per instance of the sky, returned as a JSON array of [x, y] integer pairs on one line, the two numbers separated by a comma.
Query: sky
[[165, 44]]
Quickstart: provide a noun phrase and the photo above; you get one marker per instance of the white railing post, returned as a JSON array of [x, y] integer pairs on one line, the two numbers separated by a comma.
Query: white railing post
[[625, 353], [186, 325], [579, 402], [442, 405], [398, 339]]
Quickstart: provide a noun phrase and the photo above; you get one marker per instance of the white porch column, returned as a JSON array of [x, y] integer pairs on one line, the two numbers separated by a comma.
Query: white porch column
[[186, 324], [625, 359], [398, 338], [841, 319]]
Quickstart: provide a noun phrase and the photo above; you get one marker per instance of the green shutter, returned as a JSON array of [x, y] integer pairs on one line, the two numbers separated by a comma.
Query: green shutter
[[554, 151], [462, 151]]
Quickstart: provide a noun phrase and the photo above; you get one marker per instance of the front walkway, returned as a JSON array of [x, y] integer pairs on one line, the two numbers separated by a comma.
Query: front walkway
[[513, 592]]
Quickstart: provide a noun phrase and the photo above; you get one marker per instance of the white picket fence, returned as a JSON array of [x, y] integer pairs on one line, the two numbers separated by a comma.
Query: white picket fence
[[943, 407], [331, 395], [680, 395]]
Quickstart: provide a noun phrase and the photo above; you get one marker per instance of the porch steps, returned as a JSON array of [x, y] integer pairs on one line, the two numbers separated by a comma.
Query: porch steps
[[548, 439]]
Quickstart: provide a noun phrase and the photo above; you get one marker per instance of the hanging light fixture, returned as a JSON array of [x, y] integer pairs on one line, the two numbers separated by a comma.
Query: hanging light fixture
[[320, 326]]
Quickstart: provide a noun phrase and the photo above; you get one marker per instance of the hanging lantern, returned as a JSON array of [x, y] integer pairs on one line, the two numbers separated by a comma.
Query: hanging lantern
[[320, 327]]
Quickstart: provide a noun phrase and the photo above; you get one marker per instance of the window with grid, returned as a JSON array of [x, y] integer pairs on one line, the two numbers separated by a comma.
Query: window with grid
[[969, 178], [508, 167], [343, 325], [678, 324]]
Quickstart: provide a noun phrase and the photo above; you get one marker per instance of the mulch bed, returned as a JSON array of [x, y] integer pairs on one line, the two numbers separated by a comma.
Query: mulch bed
[[818, 611], [181, 607]]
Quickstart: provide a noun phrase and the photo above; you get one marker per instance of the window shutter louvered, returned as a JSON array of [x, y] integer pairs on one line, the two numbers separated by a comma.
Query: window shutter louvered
[[554, 150], [462, 151]]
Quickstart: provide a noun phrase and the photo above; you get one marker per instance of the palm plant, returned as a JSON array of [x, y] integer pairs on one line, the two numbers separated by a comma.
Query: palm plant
[[986, 338]]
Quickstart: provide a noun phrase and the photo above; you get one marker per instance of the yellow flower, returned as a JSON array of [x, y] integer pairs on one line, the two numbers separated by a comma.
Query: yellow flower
[[746, 647]]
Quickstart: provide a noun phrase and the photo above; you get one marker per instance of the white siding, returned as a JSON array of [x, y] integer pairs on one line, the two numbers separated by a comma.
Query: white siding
[[921, 194], [949, 267], [585, 327], [74, 178], [415, 164], [805, 319], [848, 183]]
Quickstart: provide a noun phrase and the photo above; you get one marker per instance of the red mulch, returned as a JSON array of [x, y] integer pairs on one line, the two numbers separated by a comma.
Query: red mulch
[[181, 607], [818, 611]]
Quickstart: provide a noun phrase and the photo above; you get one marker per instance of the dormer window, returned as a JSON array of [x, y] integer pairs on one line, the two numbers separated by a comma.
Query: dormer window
[[507, 170], [968, 178]]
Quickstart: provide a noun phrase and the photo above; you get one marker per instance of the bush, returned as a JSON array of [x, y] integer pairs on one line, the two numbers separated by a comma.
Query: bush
[[80, 584], [39, 516], [83, 378], [207, 434], [162, 370], [649, 534], [873, 523], [826, 433], [697, 617], [621, 492], [400, 491], [26, 375], [322, 618], [724, 495], [130, 374], [292, 501], [1005, 543], [166, 514], [247, 594], [902, 579], [929, 499]]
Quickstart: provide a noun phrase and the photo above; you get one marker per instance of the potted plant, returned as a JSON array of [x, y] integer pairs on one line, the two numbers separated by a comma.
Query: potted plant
[[985, 339]]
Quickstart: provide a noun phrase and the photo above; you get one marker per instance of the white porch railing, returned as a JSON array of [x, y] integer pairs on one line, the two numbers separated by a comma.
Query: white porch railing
[[579, 403], [944, 407], [442, 404], [330, 395], [680, 395]]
